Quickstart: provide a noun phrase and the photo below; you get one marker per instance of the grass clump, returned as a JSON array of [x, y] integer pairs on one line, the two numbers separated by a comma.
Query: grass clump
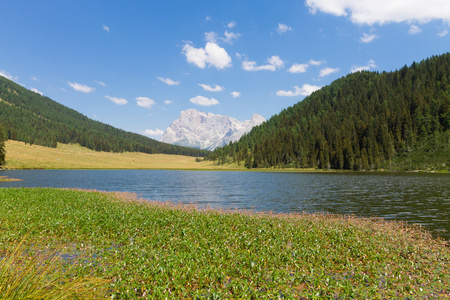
[[153, 250], [42, 276]]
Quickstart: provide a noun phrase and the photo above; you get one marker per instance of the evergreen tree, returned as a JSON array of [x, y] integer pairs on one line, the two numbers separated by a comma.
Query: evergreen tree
[[2, 148], [363, 121]]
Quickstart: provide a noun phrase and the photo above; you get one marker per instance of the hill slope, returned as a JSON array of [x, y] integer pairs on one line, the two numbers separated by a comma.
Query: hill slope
[[398, 120], [29, 117]]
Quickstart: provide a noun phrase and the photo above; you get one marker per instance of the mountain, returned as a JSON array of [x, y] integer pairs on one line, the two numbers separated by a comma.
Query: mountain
[[206, 130], [364, 121], [31, 118]]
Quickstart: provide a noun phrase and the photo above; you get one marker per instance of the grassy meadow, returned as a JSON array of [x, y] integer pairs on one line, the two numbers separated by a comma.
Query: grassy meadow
[[68, 156], [117, 246]]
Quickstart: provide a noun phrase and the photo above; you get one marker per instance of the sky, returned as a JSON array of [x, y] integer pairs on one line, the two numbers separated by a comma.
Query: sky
[[137, 64]]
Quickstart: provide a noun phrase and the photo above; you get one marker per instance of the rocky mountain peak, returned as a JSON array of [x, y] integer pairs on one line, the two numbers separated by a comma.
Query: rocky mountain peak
[[206, 130]]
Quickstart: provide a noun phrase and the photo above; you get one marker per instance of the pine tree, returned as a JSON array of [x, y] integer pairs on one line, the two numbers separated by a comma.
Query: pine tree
[[2, 148]]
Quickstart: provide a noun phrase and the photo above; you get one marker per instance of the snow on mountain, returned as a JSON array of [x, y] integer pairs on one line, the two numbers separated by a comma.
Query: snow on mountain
[[206, 130]]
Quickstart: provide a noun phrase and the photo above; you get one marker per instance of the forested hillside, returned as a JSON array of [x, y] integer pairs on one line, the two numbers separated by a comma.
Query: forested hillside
[[398, 120], [29, 117], [2, 148]]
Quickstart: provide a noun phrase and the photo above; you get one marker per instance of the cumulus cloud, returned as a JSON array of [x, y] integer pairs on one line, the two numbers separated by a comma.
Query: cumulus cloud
[[118, 101], [367, 38], [275, 63], [36, 91], [231, 24], [216, 88], [151, 132], [81, 87], [145, 102], [235, 94], [211, 55], [443, 33], [282, 28], [327, 71], [414, 30], [203, 101], [100, 83], [168, 102], [313, 62], [298, 68], [211, 37], [168, 81], [305, 90], [383, 11], [370, 64], [228, 38], [34, 78], [105, 28]]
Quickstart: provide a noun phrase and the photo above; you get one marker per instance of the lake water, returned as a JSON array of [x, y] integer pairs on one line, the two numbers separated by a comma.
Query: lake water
[[419, 198]]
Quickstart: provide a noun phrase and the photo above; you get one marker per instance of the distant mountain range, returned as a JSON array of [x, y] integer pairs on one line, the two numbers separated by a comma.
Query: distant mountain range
[[31, 118], [206, 130]]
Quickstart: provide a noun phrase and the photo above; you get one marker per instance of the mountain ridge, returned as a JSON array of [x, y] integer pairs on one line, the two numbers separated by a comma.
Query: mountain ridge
[[396, 120], [31, 118], [207, 130]]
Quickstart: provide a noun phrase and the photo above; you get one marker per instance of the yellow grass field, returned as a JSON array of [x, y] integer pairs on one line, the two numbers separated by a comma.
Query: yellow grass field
[[23, 156]]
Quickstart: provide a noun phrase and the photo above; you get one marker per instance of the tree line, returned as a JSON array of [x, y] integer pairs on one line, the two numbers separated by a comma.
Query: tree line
[[2, 149], [34, 119], [363, 121]]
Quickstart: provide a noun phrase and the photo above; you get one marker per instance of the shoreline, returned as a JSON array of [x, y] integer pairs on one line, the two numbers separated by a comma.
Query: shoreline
[[162, 249]]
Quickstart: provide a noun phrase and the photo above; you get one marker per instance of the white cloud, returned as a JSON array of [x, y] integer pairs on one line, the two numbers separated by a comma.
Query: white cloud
[[305, 90], [298, 68], [118, 101], [235, 94], [200, 100], [414, 30], [443, 33], [275, 63], [151, 132], [282, 28], [100, 82], [36, 91], [5, 74], [105, 28], [230, 36], [216, 88], [313, 62], [231, 24], [383, 11], [208, 18], [34, 78], [81, 87], [168, 81], [212, 54], [370, 64], [167, 102], [327, 71], [367, 38], [145, 102], [211, 36]]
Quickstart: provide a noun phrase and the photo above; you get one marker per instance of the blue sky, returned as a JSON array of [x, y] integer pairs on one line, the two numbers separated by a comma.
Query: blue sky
[[137, 64]]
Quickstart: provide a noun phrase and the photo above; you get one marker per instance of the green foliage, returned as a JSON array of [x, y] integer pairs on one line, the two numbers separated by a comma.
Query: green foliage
[[2, 148], [363, 121], [34, 119], [151, 250], [42, 276]]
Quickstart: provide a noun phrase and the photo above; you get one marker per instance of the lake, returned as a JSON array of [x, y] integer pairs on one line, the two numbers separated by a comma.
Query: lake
[[418, 198]]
